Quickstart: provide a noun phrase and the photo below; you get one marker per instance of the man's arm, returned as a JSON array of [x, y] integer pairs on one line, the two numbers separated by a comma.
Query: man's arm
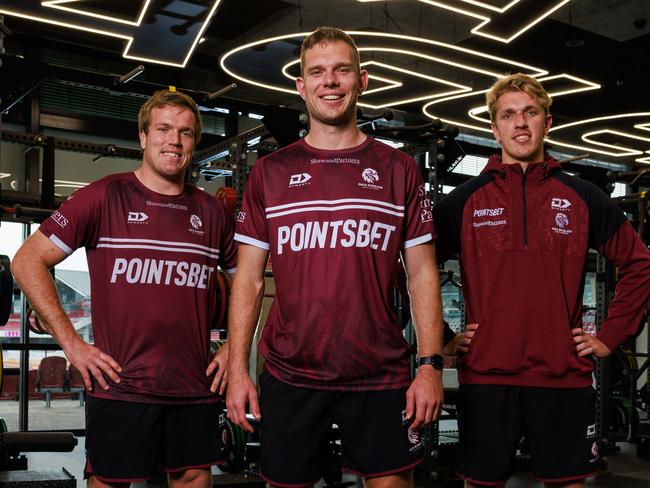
[[628, 253], [245, 304], [30, 268], [219, 364], [425, 395], [458, 344]]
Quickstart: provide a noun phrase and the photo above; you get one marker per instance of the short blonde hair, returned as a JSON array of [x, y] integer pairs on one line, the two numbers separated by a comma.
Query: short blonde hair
[[517, 82], [167, 97], [323, 35]]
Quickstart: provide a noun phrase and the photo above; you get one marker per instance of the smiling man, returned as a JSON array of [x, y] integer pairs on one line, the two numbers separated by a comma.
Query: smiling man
[[335, 211], [522, 230], [153, 244]]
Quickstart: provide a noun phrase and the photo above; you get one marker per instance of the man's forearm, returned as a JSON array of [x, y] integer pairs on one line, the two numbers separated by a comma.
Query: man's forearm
[[245, 305], [426, 305], [36, 283], [426, 310]]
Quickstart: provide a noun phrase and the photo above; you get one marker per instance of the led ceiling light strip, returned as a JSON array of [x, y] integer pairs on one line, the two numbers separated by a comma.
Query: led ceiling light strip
[[477, 30], [616, 133], [128, 38], [599, 119], [395, 84], [425, 110], [473, 113], [588, 121], [491, 7], [623, 151], [61, 5], [390, 84], [589, 85], [68, 25], [195, 43], [486, 19], [388, 36]]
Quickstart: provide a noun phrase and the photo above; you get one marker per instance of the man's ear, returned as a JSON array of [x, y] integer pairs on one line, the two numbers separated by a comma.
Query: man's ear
[[495, 132], [363, 81], [300, 86], [547, 124]]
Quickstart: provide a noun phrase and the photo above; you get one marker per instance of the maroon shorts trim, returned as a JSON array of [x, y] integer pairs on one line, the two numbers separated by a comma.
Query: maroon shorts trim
[[385, 473], [198, 466], [116, 480], [577, 477], [287, 485], [88, 472], [480, 483]]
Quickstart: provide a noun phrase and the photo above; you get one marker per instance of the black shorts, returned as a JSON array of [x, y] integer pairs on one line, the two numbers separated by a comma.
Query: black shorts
[[296, 425], [130, 442], [558, 423]]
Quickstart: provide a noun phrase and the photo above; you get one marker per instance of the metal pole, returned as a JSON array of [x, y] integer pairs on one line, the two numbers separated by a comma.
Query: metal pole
[[23, 387]]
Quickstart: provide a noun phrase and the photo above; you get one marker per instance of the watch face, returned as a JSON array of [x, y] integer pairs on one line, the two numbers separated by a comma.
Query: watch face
[[438, 361]]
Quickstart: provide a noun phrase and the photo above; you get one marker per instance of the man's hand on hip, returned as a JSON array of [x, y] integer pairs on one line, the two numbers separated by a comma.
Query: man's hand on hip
[[91, 362]]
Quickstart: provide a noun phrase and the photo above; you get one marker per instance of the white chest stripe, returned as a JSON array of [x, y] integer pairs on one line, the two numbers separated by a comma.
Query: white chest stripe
[[157, 245], [335, 209], [335, 205]]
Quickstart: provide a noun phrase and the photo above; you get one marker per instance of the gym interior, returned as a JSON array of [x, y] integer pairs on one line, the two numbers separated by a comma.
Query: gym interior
[[74, 74]]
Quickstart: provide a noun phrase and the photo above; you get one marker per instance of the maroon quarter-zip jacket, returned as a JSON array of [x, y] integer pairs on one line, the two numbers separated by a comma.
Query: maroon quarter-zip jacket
[[522, 238]]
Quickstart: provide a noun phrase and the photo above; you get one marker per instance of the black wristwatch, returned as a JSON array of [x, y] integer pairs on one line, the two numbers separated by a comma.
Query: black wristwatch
[[436, 361]]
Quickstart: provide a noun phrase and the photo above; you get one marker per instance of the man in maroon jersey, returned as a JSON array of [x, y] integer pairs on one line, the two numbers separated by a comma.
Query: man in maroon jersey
[[522, 230], [153, 244], [335, 210]]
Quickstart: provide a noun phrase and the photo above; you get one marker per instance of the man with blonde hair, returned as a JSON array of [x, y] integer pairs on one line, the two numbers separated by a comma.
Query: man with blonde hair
[[522, 230], [335, 210], [153, 244]]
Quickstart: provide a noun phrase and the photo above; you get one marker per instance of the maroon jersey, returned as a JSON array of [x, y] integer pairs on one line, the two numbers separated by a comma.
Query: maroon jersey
[[335, 223], [152, 260]]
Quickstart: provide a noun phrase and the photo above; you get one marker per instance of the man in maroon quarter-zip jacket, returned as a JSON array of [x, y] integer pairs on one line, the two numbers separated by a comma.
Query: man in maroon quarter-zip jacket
[[522, 230]]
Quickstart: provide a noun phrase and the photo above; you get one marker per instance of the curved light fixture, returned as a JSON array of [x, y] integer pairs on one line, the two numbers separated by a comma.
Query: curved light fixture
[[63, 5], [386, 38], [104, 25], [474, 112], [488, 17]]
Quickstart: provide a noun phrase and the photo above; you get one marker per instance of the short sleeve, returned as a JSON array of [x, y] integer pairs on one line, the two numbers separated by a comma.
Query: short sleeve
[[417, 213], [251, 220], [75, 223]]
